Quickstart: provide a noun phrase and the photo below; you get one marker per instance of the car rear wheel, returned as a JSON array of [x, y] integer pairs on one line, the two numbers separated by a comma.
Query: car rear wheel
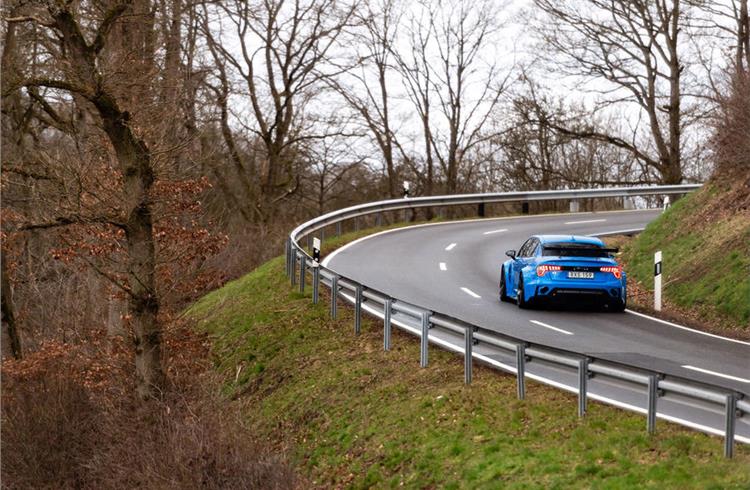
[[503, 288], [521, 299], [618, 307]]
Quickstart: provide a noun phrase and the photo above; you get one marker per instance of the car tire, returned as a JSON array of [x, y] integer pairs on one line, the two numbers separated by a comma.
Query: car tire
[[503, 290], [618, 307], [521, 299]]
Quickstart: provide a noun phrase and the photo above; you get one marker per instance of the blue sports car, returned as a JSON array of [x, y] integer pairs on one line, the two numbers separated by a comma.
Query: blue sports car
[[566, 269]]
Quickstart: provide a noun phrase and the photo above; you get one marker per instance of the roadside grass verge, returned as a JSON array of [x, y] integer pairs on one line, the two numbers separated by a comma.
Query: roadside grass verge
[[351, 415], [706, 249]]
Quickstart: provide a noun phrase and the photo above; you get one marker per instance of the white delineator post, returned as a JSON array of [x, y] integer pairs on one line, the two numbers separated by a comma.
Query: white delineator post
[[657, 281]]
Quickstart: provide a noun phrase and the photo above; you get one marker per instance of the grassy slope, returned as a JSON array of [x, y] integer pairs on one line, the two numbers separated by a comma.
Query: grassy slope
[[352, 415], [706, 247]]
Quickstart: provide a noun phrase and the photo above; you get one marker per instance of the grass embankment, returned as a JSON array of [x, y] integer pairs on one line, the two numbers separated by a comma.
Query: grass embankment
[[349, 414], [705, 240]]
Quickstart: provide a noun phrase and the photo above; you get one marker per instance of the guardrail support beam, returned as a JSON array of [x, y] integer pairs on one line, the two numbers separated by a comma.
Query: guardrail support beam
[[480, 210], [731, 414], [293, 278], [521, 371], [334, 296], [302, 270], [468, 353], [358, 309], [653, 395], [387, 311], [338, 228], [423, 340], [287, 252], [316, 284], [583, 375]]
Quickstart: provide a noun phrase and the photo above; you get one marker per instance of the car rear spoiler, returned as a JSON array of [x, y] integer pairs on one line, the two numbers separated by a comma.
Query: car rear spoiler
[[598, 249]]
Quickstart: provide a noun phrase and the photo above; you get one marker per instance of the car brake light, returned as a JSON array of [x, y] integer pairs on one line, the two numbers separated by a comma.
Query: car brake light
[[543, 269], [614, 269]]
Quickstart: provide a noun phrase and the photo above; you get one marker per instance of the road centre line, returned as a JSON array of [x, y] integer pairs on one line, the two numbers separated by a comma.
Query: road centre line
[[551, 327], [495, 231], [443, 266], [714, 373], [470, 292], [585, 221], [450, 247]]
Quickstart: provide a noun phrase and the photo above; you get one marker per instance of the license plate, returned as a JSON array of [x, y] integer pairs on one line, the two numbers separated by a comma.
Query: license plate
[[580, 275]]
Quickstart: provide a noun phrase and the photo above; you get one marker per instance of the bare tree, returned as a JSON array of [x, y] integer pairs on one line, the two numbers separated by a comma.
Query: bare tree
[[369, 92], [633, 47], [452, 86], [89, 44], [282, 47]]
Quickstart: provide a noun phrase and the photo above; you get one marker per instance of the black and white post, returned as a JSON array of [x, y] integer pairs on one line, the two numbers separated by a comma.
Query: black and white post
[[657, 281], [316, 270]]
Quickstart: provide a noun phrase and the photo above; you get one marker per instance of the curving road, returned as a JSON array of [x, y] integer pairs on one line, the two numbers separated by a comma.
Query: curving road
[[453, 268]]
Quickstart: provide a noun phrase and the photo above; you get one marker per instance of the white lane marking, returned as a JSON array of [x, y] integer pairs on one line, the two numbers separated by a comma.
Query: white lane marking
[[450, 247], [443, 267], [584, 221], [686, 328], [470, 292], [714, 373], [551, 327], [495, 231], [573, 389]]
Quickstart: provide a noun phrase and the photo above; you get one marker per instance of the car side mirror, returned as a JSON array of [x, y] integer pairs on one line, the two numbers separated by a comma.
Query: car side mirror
[[511, 254]]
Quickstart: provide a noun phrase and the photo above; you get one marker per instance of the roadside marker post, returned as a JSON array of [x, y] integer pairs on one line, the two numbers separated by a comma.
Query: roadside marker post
[[666, 203], [316, 270], [657, 281]]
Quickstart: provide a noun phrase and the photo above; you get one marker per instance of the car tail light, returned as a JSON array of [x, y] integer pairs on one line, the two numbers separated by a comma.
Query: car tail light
[[614, 269], [543, 269]]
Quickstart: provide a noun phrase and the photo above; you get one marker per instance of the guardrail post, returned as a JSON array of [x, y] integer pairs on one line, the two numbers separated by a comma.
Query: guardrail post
[[423, 341], [334, 295], [387, 311], [356, 224], [480, 210], [653, 395], [468, 356], [575, 206], [525, 207], [338, 228], [583, 375], [287, 249], [358, 309], [293, 274], [316, 283], [379, 219], [731, 414], [302, 270], [521, 370]]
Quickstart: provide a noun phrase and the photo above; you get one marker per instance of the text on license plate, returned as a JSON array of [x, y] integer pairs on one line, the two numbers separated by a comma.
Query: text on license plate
[[581, 275]]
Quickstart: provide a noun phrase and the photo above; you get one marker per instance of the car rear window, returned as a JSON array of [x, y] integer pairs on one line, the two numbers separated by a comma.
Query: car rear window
[[574, 250]]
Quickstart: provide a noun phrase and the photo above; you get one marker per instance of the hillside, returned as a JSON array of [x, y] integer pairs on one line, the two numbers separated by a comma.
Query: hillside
[[350, 415], [705, 240]]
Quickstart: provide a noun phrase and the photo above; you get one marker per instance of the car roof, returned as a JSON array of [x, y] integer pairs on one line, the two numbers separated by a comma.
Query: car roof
[[584, 240]]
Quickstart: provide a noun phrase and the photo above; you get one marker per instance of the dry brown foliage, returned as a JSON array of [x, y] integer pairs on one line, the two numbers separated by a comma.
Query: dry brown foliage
[[70, 420]]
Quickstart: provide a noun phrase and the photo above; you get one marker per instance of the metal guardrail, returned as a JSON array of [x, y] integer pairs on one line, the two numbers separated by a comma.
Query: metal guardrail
[[656, 384]]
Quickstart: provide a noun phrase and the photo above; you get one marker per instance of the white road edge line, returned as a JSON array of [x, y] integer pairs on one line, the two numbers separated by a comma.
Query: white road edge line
[[573, 389], [714, 373], [330, 256], [551, 327], [443, 266], [450, 247], [584, 221], [682, 327], [495, 231], [470, 292]]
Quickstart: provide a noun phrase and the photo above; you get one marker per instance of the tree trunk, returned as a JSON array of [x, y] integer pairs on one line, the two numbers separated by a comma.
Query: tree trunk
[[9, 317]]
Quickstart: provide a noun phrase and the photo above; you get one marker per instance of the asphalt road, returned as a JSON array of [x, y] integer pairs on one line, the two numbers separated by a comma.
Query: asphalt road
[[453, 268]]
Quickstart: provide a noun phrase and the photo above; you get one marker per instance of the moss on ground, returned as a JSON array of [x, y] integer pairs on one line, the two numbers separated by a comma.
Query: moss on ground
[[351, 415]]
